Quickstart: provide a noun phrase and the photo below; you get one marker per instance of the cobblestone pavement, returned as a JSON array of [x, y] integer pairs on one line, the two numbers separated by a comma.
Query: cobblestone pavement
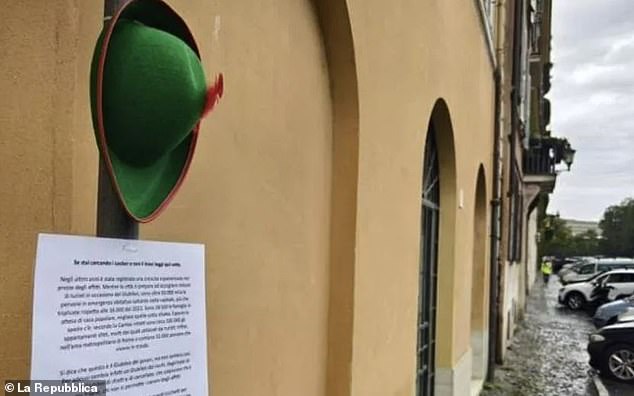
[[548, 354]]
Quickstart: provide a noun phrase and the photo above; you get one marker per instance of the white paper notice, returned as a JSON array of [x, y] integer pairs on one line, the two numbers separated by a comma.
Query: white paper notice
[[131, 313]]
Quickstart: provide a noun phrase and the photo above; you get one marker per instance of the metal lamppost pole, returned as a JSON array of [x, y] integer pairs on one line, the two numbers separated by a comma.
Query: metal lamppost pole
[[112, 219]]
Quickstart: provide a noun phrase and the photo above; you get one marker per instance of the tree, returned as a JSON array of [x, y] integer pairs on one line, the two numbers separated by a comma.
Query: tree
[[617, 226], [557, 237], [559, 241], [617, 229], [586, 243]]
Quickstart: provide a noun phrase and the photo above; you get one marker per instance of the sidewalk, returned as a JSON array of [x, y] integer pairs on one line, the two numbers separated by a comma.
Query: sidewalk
[[548, 354]]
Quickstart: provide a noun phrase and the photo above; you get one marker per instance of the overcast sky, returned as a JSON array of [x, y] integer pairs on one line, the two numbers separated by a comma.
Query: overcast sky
[[592, 99]]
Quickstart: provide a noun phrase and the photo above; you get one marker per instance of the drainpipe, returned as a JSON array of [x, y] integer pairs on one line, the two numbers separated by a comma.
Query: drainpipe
[[496, 201], [496, 220]]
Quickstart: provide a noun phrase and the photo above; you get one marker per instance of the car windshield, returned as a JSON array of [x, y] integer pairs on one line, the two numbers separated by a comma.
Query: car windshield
[[586, 269], [598, 277], [576, 267]]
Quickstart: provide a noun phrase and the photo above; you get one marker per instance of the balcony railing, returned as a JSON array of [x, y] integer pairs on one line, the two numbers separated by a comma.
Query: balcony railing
[[543, 154], [539, 161]]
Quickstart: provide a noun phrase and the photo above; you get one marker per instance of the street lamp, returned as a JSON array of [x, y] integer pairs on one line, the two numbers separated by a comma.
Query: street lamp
[[569, 156]]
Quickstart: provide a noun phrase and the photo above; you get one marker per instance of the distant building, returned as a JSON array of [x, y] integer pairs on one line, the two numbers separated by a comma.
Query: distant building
[[580, 226]]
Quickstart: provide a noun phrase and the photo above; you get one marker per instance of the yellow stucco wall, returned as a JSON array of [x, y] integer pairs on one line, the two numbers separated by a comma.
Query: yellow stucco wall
[[258, 196], [37, 61], [409, 54], [305, 187]]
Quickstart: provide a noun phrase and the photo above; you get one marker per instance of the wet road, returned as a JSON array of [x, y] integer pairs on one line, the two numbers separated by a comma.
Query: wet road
[[548, 354]]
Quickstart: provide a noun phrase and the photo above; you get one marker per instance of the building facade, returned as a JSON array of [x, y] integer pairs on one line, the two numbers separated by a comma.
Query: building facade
[[342, 187], [579, 227], [530, 155]]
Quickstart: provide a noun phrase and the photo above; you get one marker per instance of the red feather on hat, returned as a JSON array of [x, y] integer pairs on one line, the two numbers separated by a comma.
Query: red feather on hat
[[214, 93]]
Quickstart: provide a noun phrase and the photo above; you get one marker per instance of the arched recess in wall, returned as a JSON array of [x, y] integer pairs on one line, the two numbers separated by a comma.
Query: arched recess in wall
[[532, 199], [336, 29], [441, 119], [436, 281], [479, 279]]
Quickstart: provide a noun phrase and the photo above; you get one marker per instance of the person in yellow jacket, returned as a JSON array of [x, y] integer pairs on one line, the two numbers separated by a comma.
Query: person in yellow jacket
[[547, 269]]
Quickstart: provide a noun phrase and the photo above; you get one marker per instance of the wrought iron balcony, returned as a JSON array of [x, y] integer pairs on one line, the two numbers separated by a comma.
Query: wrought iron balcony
[[541, 159]]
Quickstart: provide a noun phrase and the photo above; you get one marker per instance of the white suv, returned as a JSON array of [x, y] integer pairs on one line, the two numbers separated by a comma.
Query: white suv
[[620, 282], [585, 271]]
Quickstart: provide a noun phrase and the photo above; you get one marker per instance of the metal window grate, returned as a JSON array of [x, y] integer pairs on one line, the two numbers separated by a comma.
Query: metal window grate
[[428, 276]]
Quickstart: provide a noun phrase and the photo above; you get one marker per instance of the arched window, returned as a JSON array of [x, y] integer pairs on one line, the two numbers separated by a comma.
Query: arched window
[[428, 276]]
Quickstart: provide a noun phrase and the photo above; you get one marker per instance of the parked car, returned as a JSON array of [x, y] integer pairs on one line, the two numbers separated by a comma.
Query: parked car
[[611, 351], [587, 270], [576, 266], [599, 296], [627, 316], [608, 313], [619, 282], [570, 268], [560, 262]]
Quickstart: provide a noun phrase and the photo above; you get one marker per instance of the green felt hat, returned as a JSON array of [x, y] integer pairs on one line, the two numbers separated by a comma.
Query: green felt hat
[[148, 94]]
